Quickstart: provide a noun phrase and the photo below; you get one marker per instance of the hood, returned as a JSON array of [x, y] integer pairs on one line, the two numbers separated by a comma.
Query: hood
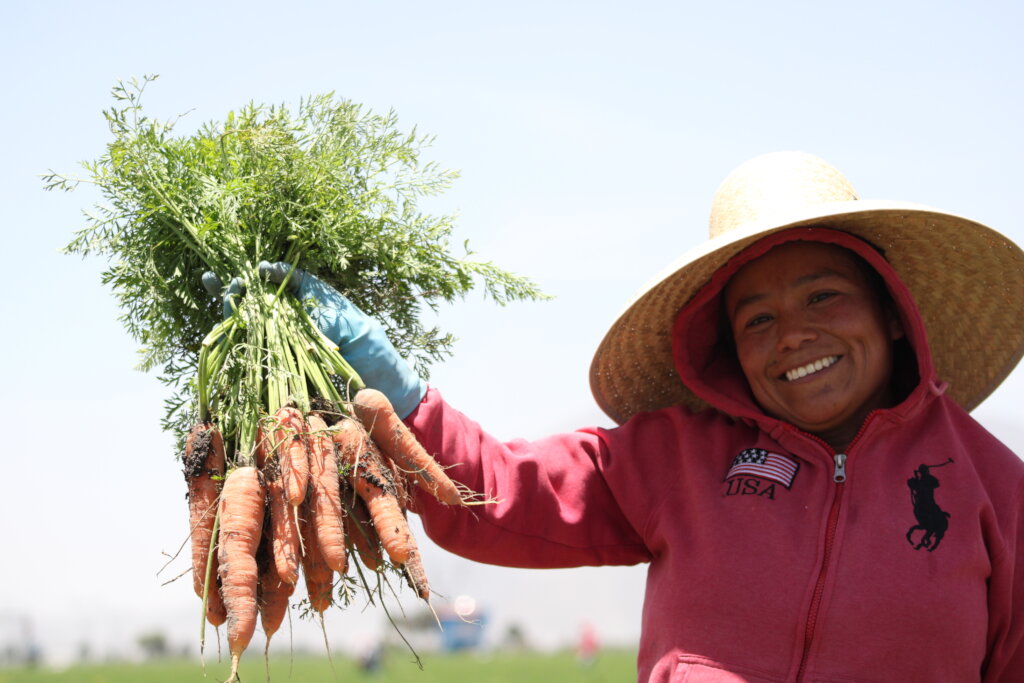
[[705, 359]]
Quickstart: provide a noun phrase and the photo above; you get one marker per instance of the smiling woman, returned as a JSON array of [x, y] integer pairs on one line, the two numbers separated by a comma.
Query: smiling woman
[[777, 524]]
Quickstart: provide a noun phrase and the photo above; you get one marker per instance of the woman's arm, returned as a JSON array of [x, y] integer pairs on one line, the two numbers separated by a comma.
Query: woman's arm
[[553, 503]]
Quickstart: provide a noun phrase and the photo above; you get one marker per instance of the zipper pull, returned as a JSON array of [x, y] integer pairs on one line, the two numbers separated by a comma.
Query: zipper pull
[[840, 474]]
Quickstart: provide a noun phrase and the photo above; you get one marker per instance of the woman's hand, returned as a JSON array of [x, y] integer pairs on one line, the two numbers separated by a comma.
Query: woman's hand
[[360, 338]]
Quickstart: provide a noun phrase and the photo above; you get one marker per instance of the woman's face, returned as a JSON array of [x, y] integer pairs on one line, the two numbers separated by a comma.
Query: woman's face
[[812, 338]]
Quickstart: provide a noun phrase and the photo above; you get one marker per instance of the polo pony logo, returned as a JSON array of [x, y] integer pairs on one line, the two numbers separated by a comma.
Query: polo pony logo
[[931, 519]]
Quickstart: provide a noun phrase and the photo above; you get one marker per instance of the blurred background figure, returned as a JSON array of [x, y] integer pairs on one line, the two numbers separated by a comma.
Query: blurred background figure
[[586, 651], [369, 656]]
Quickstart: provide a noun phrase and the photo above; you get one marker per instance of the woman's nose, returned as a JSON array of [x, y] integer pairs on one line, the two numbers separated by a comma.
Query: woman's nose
[[794, 331]]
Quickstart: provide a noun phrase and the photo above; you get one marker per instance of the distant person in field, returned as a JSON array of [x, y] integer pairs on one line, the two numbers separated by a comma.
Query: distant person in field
[[588, 646]]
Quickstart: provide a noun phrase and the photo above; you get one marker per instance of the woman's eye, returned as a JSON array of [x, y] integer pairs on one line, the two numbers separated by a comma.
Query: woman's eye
[[821, 296], [758, 320]]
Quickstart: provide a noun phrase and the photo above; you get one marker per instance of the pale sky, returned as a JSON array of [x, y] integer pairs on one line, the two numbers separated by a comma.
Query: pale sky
[[590, 137]]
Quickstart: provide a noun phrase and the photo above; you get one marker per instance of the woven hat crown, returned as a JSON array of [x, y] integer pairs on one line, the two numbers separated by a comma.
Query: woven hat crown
[[768, 187]]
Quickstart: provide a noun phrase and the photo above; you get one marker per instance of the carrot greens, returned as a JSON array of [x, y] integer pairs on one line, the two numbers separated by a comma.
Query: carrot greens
[[327, 186]]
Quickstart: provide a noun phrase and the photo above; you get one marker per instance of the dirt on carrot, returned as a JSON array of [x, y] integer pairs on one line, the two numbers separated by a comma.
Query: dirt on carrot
[[361, 534], [395, 439], [371, 481], [204, 463]]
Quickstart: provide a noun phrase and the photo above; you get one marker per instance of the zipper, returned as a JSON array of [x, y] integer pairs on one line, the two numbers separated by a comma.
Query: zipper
[[839, 475], [839, 479]]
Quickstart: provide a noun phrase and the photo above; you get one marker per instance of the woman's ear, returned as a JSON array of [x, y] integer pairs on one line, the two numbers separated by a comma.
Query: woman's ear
[[895, 323]]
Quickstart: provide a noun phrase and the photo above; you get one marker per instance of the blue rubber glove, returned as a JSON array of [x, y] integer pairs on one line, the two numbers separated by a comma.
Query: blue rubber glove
[[213, 285], [360, 338]]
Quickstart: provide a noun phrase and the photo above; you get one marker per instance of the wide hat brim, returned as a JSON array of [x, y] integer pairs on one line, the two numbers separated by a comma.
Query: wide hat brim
[[967, 280]]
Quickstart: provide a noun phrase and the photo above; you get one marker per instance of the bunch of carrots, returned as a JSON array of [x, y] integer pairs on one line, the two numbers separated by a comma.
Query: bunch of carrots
[[321, 486], [294, 464]]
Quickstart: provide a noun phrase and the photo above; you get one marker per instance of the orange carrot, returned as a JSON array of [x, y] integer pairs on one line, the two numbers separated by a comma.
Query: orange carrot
[[241, 521], [216, 613], [359, 532], [325, 501], [284, 525], [204, 471], [399, 444], [416, 576], [319, 577], [273, 599], [372, 482], [289, 441]]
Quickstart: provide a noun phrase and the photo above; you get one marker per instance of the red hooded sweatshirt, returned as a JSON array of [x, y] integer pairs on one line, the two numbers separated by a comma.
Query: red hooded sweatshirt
[[771, 557]]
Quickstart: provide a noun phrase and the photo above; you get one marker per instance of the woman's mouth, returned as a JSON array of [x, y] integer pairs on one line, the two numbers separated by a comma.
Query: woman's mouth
[[810, 368]]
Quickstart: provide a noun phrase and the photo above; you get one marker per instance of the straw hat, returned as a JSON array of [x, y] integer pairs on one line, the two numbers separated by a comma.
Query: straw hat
[[967, 279]]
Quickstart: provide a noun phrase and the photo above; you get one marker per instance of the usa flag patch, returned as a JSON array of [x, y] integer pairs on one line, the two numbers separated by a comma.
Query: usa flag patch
[[757, 462]]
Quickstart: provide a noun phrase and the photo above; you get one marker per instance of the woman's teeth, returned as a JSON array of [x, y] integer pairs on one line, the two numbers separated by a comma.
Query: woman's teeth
[[810, 368]]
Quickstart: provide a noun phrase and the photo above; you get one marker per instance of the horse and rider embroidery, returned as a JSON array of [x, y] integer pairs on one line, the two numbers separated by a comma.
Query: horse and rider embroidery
[[931, 519]]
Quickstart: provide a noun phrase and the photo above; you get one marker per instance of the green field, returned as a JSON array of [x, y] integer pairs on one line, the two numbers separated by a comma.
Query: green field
[[397, 668]]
